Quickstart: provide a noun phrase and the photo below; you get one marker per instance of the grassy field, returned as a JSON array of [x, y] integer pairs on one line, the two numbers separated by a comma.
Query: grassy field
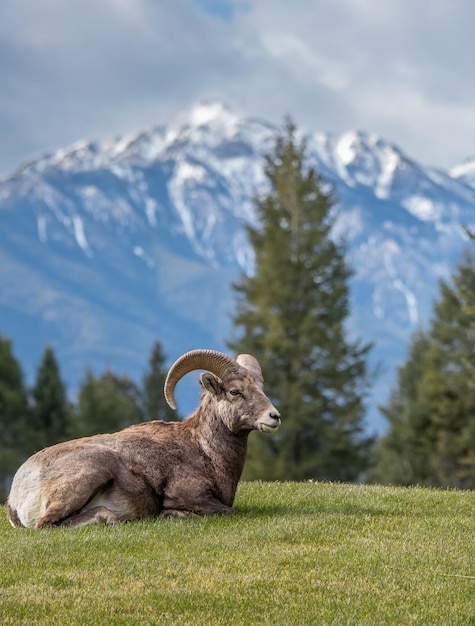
[[296, 553]]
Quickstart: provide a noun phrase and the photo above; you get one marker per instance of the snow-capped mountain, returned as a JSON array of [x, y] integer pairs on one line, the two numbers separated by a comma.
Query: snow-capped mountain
[[107, 246]]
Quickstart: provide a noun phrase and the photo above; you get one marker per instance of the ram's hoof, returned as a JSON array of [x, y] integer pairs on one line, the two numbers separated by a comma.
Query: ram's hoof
[[176, 514]]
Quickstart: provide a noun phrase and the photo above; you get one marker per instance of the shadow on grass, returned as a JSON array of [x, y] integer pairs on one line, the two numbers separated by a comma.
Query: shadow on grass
[[262, 500], [291, 510]]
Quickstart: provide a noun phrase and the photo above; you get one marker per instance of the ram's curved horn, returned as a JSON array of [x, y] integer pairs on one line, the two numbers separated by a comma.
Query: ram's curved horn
[[250, 363], [215, 362]]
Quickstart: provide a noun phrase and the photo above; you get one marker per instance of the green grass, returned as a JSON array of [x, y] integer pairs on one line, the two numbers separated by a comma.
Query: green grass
[[296, 553]]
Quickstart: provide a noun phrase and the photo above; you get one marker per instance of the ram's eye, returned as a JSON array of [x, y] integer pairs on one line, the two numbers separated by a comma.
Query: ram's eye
[[235, 392]]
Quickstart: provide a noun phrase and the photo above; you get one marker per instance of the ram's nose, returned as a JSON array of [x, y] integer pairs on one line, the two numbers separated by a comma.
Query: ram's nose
[[269, 421], [275, 415]]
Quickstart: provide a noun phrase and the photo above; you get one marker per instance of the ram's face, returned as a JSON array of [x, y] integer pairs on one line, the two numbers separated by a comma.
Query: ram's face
[[243, 405]]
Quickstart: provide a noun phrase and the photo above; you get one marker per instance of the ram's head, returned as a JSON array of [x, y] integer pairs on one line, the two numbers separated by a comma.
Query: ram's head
[[234, 386]]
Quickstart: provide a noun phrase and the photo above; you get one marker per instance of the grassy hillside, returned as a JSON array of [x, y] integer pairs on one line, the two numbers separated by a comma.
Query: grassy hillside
[[297, 553]]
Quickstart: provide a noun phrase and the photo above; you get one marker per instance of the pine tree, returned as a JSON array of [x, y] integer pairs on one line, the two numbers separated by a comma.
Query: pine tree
[[291, 314], [401, 455], [51, 412], [106, 404], [436, 390], [453, 400], [13, 416], [155, 405], [466, 290]]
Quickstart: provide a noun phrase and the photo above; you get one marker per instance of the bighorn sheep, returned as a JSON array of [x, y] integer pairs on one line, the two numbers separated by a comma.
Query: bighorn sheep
[[171, 469]]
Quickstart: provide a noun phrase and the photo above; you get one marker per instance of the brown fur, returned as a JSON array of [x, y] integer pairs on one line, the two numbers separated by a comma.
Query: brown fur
[[154, 468]]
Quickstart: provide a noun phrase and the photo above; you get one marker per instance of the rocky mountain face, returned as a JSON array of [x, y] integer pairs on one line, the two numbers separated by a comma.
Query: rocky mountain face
[[107, 246]]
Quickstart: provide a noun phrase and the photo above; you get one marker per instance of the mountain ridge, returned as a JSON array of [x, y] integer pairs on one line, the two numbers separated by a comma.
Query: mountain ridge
[[106, 246]]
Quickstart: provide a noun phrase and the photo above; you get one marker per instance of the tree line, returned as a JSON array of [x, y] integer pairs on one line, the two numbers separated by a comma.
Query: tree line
[[431, 410], [291, 314]]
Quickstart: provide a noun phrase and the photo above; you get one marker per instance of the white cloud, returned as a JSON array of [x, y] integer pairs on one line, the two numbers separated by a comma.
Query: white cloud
[[93, 68]]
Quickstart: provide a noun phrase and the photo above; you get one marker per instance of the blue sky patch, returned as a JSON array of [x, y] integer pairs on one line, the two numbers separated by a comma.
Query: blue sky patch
[[220, 8]]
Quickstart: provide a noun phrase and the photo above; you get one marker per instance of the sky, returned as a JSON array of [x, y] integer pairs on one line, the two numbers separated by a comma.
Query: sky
[[95, 69]]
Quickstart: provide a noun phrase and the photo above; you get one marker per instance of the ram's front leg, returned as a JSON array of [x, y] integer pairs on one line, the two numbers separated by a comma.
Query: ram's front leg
[[176, 514], [213, 507], [178, 508]]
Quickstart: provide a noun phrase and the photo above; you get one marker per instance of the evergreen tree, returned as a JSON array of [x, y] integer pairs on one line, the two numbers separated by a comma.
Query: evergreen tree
[[291, 314], [470, 234], [13, 416], [467, 291], [401, 455], [155, 405], [435, 426], [50, 411], [106, 404]]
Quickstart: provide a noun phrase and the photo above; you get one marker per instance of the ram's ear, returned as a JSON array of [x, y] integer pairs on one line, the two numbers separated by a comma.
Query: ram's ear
[[210, 383]]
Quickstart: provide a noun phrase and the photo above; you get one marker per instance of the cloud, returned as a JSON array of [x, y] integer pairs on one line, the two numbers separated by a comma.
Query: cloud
[[98, 67], [400, 68], [95, 68]]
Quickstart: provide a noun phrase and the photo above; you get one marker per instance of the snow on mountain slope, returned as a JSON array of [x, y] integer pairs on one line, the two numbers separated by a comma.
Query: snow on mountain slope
[[105, 246], [465, 172]]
